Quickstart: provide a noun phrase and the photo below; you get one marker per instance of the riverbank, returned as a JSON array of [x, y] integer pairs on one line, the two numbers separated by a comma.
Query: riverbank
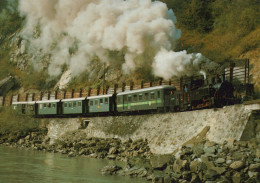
[[198, 161], [198, 146]]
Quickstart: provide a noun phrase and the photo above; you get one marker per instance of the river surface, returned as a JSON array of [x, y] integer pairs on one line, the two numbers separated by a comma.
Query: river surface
[[19, 165]]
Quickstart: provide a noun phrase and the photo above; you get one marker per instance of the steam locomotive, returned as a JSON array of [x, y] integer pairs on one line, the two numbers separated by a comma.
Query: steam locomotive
[[198, 94]]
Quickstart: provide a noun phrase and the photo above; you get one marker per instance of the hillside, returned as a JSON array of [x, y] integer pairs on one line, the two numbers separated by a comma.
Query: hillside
[[221, 30]]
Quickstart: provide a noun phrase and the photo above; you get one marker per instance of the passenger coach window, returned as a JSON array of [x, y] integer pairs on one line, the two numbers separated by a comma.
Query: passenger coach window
[[65, 105], [44, 105], [40, 106], [70, 104], [140, 97], [53, 105], [146, 96], [125, 99], [106, 100], [101, 101], [91, 103], [152, 96], [79, 104], [118, 100], [96, 102], [129, 98], [158, 94], [74, 104], [135, 98]]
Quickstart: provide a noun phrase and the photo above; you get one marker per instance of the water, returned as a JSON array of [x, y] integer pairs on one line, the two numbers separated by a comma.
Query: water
[[18, 165]]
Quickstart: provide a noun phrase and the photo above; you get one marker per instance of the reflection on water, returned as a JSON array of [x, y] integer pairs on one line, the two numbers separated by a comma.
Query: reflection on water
[[33, 166]]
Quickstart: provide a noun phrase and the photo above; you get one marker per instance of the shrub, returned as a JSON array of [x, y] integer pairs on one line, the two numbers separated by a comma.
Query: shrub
[[13, 123]]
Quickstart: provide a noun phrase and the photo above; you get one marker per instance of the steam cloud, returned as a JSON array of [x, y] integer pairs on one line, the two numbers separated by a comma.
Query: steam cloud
[[141, 30]]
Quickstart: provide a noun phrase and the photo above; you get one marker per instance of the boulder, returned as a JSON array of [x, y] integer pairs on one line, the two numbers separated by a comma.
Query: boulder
[[219, 170], [197, 166], [180, 165], [198, 150], [210, 174], [220, 160], [138, 162], [204, 159], [160, 161], [254, 167], [237, 165], [253, 174], [110, 169], [210, 150], [238, 156], [236, 178], [112, 150]]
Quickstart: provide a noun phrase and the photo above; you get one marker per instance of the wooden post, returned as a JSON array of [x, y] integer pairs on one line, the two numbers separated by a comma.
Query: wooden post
[[181, 83], [18, 98], [33, 97], [246, 79], [64, 94], [72, 93], [232, 65], [49, 95], [248, 71], [3, 102], [170, 82], [11, 100], [107, 88], [80, 92], [98, 90], [56, 94], [160, 82], [151, 84], [89, 91], [26, 97], [115, 88], [131, 85], [123, 87]]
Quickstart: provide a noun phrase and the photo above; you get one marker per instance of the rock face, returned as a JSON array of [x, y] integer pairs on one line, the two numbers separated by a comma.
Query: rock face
[[6, 85], [166, 133]]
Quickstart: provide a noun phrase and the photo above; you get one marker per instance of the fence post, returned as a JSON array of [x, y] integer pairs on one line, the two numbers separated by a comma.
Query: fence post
[[72, 93], [131, 85], [123, 87], [89, 91], [80, 92]]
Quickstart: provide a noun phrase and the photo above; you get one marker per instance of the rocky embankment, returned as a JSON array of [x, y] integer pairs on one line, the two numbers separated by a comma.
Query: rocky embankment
[[199, 161]]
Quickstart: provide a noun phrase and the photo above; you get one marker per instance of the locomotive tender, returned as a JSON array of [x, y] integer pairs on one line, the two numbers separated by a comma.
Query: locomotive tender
[[159, 98]]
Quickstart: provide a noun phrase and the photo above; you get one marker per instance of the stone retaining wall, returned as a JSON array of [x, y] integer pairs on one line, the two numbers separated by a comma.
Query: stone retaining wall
[[167, 132]]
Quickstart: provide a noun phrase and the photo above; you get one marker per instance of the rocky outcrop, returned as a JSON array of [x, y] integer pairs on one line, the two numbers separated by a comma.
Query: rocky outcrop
[[228, 162], [6, 85]]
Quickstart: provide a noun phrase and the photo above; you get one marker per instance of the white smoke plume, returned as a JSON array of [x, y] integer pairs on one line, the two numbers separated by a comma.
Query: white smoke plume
[[94, 28]]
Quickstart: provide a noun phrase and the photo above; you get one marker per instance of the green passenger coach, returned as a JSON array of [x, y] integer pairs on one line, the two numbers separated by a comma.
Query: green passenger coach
[[101, 104], [28, 108], [49, 107], [74, 106], [154, 98]]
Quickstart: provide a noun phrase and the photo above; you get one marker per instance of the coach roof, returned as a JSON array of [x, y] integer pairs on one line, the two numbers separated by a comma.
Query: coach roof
[[148, 89]]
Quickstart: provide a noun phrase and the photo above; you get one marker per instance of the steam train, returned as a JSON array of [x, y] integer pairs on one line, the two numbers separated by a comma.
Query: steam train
[[198, 94]]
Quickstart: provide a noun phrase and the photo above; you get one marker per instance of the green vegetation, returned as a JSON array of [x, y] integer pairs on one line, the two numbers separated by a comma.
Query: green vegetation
[[220, 30], [15, 125]]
